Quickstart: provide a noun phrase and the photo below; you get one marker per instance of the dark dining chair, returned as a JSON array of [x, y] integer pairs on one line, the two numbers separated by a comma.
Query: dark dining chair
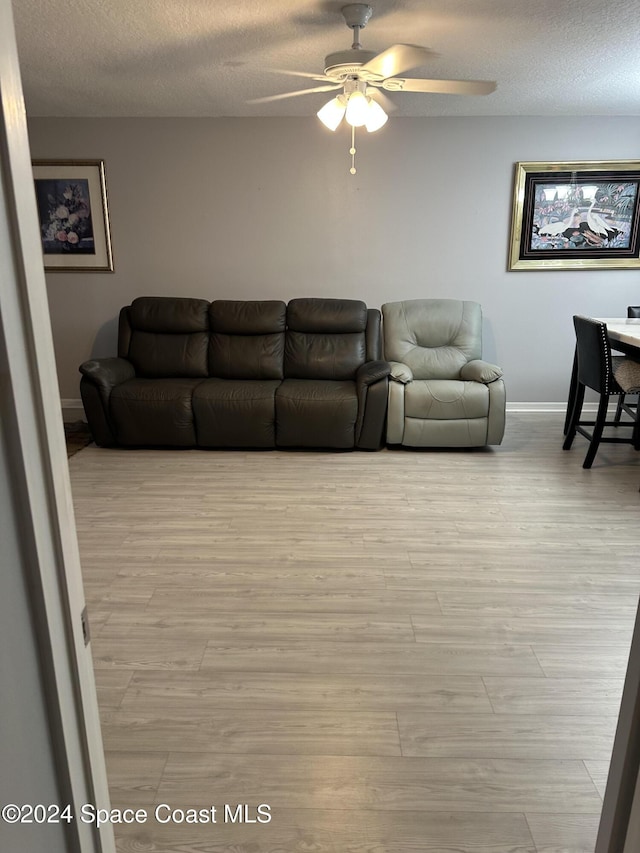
[[595, 370], [633, 311]]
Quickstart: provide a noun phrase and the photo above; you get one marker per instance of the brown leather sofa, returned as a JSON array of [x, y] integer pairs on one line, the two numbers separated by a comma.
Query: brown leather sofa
[[251, 374]]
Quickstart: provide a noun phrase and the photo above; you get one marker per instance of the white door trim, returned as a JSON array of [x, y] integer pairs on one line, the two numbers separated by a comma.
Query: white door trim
[[40, 475]]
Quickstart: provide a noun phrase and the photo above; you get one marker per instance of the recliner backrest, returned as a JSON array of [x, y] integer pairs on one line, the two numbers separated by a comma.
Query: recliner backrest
[[434, 337], [165, 336], [325, 339], [247, 339]]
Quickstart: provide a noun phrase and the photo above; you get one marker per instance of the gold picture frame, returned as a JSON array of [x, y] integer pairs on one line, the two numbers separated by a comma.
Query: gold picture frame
[[71, 200], [575, 215]]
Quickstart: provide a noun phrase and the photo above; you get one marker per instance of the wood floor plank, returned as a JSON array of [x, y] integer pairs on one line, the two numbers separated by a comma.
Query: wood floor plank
[[388, 784], [134, 777], [421, 659], [564, 833], [599, 771], [530, 630], [339, 831], [524, 736], [121, 653], [583, 661], [293, 600], [112, 685], [180, 691], [572, 696], [255, 732], [263, 628], [543, 605], [519, 579]]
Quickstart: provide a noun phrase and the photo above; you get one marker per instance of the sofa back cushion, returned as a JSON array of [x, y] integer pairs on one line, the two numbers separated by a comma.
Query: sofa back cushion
[[166, 336], [247, 339], [434, 337], [326, 338]]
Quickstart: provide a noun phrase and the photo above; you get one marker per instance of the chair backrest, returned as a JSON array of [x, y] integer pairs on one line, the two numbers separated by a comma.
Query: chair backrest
[[434, 337], [325, 338], [633, 311], [247, 339], [165, 336], [594, 354]]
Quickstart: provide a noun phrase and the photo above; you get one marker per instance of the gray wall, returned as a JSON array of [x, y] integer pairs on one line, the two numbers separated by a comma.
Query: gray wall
[[266, 208]]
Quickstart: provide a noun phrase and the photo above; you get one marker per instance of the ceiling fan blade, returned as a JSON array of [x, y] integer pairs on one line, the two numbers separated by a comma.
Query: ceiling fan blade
[[398, 58], [321, 78], [441, 87], [295, 94], [386, 103]]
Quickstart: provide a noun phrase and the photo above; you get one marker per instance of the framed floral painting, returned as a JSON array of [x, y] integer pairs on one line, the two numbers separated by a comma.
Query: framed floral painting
[[71, 198], [576, 216]]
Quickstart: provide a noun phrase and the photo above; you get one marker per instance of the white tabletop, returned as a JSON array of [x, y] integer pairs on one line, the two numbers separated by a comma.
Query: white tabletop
[[625, 329]]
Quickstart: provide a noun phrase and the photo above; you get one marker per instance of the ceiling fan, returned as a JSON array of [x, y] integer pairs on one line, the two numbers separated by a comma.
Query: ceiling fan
[[365, 72], [362, 74]]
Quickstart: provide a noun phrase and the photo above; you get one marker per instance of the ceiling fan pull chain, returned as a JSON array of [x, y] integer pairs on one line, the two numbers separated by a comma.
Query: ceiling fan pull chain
[[352, 150]]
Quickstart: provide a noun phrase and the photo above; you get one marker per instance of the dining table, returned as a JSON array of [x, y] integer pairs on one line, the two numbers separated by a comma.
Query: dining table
[[624, 336]]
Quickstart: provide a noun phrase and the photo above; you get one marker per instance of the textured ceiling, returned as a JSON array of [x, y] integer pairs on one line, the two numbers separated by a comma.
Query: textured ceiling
[[208, 58]]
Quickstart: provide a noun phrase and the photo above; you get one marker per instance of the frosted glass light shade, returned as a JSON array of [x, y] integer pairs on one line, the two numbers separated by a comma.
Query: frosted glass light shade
[[357, 109], [331, 114], [376, 116]]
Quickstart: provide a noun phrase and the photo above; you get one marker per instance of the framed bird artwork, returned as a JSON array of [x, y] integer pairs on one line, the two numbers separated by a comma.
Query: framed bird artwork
[[576, 216]]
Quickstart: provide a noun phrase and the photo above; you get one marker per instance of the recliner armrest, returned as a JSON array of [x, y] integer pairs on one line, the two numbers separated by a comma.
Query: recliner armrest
[[480, 371], [372, 371], [106, 373], [401, 372]]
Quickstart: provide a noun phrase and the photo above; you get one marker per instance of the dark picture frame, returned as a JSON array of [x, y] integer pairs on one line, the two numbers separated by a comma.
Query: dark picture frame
[[576, 215], [71, 200]]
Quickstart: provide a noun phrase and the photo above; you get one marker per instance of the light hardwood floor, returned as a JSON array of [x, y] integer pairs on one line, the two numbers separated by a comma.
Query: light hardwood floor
[[396, 651]]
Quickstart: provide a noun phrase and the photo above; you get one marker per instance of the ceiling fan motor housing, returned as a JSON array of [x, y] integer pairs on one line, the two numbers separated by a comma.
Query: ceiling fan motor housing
[[338, 66]]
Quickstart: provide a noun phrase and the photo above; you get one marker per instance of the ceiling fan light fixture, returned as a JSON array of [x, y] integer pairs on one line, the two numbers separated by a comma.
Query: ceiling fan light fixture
[[333, 112], [357, 109], [376, 116]]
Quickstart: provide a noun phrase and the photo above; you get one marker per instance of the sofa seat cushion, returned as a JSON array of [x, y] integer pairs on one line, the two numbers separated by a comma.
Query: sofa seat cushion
[[316, 413], [445, 399], [235, 412], [154, 412]]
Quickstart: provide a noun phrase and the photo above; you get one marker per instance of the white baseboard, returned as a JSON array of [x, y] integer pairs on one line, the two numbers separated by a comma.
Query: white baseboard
[[72, 410]]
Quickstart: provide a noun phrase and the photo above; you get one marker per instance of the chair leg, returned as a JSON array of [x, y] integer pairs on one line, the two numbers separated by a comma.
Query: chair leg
[[635, 436], [596, 435], [574, 416], [618, 414]]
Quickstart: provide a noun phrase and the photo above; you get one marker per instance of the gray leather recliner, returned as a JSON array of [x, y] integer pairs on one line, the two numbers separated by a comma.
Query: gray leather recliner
[[441, 392]]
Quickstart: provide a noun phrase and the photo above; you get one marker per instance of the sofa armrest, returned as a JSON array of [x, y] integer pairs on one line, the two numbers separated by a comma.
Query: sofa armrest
[[372, 383], [106, 373], [99, 377], [401, 372], [480, 371], [372, 371]]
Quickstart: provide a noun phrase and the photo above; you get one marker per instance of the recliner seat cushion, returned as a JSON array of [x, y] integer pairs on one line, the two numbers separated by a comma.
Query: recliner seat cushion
[[235, 413], [445, 399], [316, 413], [154, 412]]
